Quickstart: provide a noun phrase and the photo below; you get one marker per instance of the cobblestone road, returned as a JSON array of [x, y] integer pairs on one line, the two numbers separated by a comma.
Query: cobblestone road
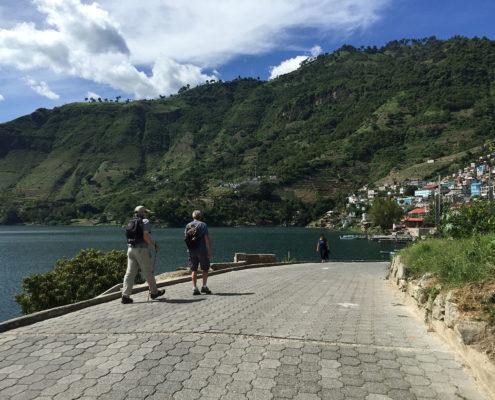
[[311, 331]]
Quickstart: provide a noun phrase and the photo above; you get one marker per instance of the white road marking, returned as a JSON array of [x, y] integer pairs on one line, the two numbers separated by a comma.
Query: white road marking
[[348, 305]]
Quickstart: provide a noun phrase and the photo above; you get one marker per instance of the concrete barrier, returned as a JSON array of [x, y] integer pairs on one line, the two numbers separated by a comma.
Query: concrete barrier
[[255, 258], [220, 266]]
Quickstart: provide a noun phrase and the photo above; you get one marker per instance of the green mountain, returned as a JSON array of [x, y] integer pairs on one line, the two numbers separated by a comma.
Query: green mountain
[[250, 151]]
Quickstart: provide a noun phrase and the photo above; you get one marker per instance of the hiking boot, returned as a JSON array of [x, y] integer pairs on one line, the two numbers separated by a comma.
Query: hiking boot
[[196, 291], [205, 290], [157, 294], [127, 300]]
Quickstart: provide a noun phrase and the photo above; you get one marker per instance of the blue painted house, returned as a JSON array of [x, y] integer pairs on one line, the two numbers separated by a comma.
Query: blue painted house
[[476, 189], [405, 201]]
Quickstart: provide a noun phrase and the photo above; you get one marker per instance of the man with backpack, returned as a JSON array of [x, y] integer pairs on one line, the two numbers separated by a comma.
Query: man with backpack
[[199, 247], [139, 254]]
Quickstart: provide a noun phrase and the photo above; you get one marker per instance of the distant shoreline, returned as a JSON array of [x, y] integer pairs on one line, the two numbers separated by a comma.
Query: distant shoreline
[[89, 223]]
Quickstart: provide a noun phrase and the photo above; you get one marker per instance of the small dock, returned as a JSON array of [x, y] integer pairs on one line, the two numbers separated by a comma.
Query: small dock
[[391, 238]]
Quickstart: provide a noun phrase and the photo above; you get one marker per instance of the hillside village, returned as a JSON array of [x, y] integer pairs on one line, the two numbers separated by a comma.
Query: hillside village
[[421, 200]]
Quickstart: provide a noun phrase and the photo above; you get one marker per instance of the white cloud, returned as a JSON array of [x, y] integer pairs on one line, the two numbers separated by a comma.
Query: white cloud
[[316, 51], [92, 94], [87, 24], [82, 40], [287, 66], [210, 32], [13, 12], [105, 42], [41, 88], [294, 63], [2, 98], [169, 75]]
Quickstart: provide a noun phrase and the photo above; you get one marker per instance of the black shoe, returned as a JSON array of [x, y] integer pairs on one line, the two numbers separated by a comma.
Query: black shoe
[[157, 294], [205, 290], [196, 292], [127, 300]]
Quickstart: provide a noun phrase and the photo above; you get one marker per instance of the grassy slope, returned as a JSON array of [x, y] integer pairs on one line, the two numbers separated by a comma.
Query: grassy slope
[[425, 169], [340, 121], [455, 262], [468, 265]]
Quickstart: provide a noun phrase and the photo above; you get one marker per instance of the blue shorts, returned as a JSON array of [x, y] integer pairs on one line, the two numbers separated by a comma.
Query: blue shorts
[[199, 260]]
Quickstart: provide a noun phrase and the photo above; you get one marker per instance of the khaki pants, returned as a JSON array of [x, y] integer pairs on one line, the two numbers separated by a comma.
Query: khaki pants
[[139, 258]]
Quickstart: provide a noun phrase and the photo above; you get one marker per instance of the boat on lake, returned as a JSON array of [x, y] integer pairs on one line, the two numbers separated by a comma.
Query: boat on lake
[[392, 238], [352, 237]]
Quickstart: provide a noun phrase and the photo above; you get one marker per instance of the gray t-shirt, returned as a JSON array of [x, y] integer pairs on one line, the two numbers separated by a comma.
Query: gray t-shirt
[[146, 228]]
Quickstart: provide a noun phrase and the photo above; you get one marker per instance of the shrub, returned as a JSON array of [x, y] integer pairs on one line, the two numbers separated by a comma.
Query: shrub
[[9, 216], [384, 212], [85, 276], [454, 262], [469, 219]]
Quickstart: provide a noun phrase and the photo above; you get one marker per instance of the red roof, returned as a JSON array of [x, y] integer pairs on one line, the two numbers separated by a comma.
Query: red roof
[[421, 210], [431, 186], [410, 219]]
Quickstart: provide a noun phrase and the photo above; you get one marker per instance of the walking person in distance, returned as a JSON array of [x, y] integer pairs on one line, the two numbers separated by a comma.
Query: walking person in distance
[[141, 254], [199, 247], [322, 248]]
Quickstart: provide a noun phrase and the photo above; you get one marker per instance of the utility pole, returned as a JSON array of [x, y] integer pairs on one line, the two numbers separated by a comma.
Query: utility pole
[[438, 203], [490, 184]]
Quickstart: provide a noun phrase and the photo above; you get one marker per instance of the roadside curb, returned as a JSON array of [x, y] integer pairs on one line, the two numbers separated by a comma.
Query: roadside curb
[[68, 308]]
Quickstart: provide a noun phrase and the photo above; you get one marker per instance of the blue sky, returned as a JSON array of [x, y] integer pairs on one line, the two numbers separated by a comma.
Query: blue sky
[[57, 51]]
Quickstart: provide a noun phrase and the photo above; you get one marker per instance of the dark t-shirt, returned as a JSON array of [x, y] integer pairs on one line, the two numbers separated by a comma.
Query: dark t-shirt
[[323, 244], [202, 230]]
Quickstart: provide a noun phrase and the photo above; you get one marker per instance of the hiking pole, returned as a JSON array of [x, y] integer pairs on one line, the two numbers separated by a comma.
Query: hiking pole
[[152, 273], [148, 293]]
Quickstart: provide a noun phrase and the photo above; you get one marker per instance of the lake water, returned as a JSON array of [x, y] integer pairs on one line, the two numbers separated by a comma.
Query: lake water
[[27, 250]]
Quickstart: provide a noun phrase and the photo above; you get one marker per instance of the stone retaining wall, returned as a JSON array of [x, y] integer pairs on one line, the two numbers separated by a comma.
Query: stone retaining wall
[[220, 266], [441, 313], [255, 258]]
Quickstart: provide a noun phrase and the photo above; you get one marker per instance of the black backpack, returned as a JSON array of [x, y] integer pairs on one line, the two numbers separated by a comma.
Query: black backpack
[[134, 232], [192, 237]]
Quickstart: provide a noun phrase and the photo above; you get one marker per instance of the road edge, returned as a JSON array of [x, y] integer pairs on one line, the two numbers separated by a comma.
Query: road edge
[[39, 316]]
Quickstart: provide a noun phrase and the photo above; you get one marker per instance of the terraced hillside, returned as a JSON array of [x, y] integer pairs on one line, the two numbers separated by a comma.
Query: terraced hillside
[[250, 151]]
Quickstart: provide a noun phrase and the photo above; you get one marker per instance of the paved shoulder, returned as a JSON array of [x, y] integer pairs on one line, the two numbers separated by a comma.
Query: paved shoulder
[[309, 331]]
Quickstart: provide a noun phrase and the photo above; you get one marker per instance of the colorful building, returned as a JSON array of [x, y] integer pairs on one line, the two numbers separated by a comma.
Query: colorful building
[[423, 193], [476, 189], [415, 218], [405, 201]]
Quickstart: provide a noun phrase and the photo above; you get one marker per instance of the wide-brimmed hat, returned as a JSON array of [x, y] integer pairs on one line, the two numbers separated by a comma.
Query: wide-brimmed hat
[[141, 209]]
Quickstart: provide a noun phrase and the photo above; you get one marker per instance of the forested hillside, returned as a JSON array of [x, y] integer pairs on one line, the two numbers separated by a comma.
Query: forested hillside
[[250, 151]]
